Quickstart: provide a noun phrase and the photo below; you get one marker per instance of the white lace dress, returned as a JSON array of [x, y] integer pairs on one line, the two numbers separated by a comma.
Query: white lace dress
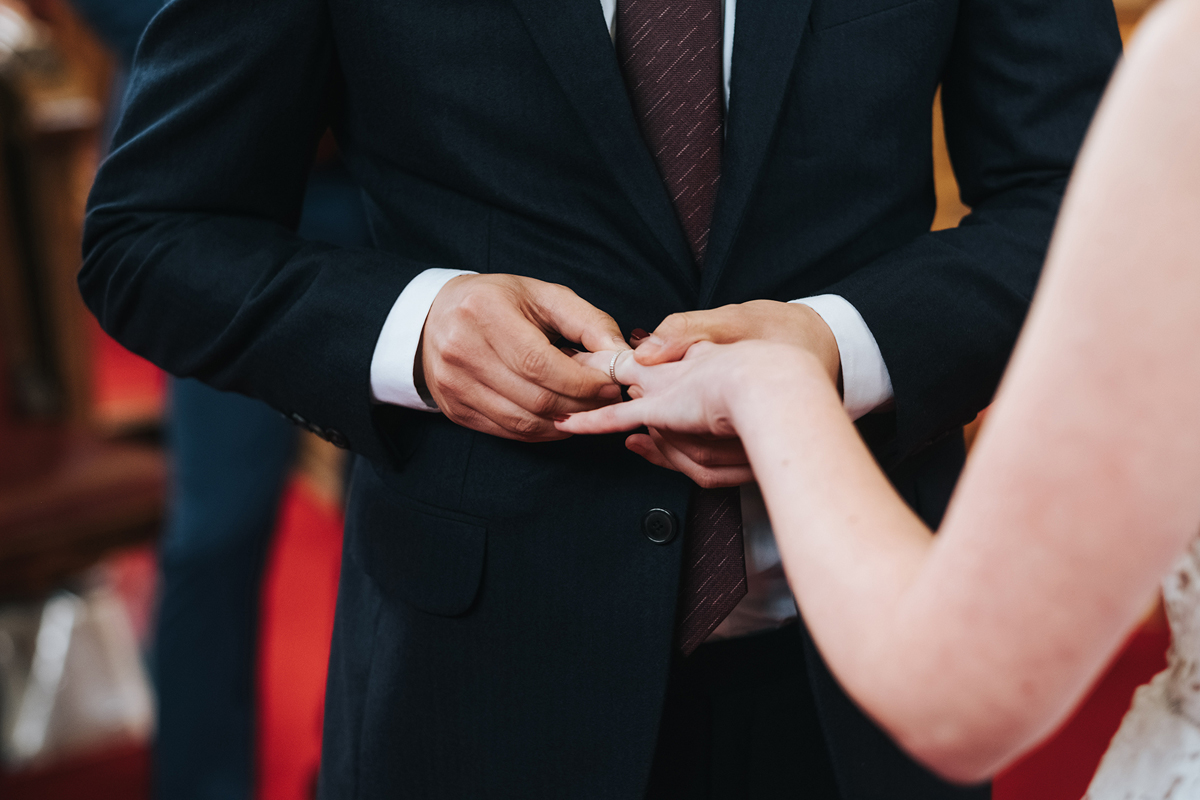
[[1156, 753]]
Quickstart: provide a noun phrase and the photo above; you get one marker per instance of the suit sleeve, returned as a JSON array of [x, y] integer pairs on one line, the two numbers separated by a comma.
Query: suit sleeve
[[190, 253], [1021, 84]]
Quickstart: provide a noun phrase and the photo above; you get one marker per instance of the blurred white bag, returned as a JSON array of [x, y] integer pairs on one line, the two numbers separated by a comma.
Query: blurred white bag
[[71, 678]]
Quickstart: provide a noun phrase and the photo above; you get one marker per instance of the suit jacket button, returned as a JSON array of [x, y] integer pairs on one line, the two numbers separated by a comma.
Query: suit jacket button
[[336, 439], [660, 526]]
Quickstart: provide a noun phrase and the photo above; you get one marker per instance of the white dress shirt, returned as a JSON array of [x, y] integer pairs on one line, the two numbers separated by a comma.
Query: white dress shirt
[[865, 381]]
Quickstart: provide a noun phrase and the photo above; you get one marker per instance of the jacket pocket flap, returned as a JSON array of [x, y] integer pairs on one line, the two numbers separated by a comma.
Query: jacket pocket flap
[[431, 560], [828, 13]]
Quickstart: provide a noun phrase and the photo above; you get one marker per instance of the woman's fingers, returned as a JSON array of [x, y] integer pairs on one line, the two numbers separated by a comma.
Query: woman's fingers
[[676, 396], [610, 419], [627, 370], [598, 361]]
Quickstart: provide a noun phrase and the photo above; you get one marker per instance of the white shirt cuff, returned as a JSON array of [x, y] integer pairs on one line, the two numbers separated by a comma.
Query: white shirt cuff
[[866, 384], [395, 353]]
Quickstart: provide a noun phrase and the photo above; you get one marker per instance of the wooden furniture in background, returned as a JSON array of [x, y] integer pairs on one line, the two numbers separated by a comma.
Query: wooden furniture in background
[[67, 499], [1130, 12], [67, 496], [52, 123]]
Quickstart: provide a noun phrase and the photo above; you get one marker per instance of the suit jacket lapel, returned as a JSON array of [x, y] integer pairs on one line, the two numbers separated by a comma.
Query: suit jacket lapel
[[573, 40], [766, 38]]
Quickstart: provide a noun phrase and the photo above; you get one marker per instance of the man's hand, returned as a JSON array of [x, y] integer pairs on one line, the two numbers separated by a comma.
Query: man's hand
[[787, 323], [708, 461], [487, 355], [722, 462]]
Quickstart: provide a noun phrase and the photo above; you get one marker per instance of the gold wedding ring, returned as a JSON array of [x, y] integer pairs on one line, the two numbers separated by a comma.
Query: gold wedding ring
[[612, 368]]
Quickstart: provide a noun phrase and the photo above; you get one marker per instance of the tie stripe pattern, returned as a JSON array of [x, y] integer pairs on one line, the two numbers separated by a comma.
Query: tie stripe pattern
[[670, 54], [714, 565]]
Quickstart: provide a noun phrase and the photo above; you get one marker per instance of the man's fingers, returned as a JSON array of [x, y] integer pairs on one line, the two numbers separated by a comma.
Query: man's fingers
[[704, 451], [707, 477], [534, 359], [678, 332], [488, 356], [719, 477], [659, 452], [699, 349], [645, 447], [546, 403], [560, 310], [494, 413]]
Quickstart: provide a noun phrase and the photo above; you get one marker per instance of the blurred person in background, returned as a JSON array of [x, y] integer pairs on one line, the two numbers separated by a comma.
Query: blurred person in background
[[230, 456]]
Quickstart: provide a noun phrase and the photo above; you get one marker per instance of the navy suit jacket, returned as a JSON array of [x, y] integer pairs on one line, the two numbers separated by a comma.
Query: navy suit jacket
[[504, 626]]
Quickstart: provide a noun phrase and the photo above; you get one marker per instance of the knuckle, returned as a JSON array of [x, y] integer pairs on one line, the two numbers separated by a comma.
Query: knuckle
[[461, 415], [454, 387], [455, 329], [472, 306], [585, 385], [544, 293], [532, 362], [454, 352], [677, 324], [560, 293], [544, 402], [525, 426]]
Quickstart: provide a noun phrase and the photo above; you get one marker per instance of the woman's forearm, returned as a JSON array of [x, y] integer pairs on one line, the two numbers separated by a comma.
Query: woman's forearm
[[851, 547], [1081, 490], [844, 531]]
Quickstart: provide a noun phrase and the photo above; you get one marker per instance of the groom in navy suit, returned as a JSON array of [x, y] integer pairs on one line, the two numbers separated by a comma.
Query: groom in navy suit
[[523, 615]]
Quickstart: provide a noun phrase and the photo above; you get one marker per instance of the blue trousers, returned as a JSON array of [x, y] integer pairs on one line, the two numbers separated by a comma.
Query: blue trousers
[[230, 456]]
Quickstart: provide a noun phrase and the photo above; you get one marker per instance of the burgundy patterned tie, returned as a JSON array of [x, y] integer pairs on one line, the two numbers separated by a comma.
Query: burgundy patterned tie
[[670, 54]]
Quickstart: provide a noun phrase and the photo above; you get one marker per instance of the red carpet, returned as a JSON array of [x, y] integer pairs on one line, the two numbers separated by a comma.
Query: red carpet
[[298, 601], [299, 594], [1062, 767], [126, 390]]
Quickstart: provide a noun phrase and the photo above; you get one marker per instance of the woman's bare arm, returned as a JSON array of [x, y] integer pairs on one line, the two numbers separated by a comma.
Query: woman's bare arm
[[1084, 485]]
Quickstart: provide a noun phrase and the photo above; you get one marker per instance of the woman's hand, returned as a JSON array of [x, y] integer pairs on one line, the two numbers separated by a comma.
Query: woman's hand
[[685, 396], [700, 395]]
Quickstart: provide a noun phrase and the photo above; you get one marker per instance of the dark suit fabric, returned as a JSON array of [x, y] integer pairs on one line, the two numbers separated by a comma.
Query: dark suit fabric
[[504, 628], [738, 725]]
